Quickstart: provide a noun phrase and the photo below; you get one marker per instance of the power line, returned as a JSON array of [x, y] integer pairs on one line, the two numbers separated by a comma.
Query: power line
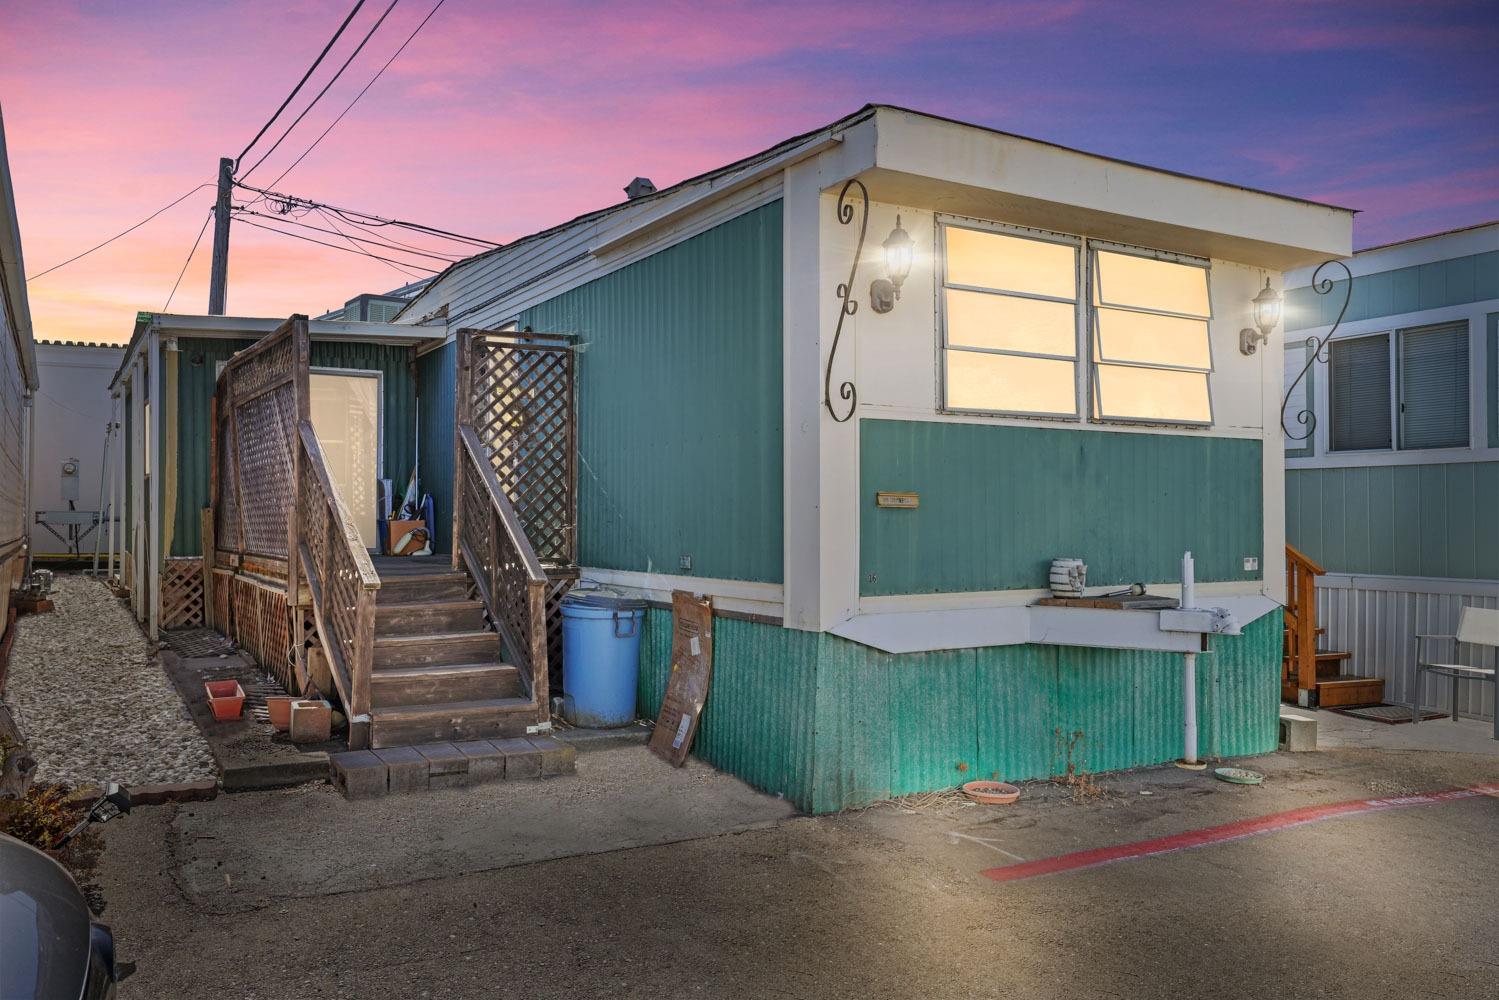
[[335, 246], [331, 232], [359, 218], [359, 48], [189, 260], [357, 96], [346, 236], [119, 234], [389, 241], [305, 76]]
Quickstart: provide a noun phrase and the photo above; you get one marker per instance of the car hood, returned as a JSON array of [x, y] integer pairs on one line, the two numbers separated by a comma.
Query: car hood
[[44, 950]]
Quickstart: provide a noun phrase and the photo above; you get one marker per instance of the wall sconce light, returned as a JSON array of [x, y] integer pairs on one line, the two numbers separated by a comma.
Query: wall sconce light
[[1266, 315], [899, 251]]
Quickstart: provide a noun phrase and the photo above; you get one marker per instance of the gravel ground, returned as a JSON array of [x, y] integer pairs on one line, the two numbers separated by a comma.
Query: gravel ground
[[92, 700]]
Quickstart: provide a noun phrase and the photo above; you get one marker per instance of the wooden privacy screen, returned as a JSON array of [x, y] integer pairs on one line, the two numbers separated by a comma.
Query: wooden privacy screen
[[278, 517], [515, 490]]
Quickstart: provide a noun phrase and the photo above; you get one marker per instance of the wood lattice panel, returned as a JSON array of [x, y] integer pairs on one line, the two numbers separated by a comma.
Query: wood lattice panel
[[559, 582], [182, 593], [522, 408], [262, 626]]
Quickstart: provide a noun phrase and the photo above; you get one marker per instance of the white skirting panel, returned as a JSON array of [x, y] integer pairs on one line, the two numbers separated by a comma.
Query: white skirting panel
[[1376, 618]]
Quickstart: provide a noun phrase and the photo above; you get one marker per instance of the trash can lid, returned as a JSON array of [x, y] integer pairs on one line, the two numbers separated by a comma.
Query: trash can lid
[[605, 598]]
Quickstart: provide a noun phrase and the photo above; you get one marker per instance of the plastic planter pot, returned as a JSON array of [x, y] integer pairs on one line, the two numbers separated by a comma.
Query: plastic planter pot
[[226, 698], [279, 707]]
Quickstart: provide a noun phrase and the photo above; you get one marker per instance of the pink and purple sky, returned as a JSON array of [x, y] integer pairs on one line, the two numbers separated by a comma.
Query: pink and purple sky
[[504, 118]]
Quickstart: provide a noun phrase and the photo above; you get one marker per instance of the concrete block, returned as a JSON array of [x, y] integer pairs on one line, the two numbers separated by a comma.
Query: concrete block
[[485, 763], [408, 769], [446, 765], [1298, 733], [556, 757], [522, 760], [359, 774]]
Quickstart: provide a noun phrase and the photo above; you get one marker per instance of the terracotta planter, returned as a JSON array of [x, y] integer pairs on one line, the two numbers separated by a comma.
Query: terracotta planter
[[311, 720], [226, 698], [279, 707], [994, 793]]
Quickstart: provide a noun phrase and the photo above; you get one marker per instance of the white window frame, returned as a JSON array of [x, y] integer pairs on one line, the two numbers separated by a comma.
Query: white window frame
[[1091, 331], [1395, 333], [1079, 256], [1083, 326]]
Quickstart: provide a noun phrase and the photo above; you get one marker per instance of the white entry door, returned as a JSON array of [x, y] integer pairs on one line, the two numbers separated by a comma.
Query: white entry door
[[346, 417]]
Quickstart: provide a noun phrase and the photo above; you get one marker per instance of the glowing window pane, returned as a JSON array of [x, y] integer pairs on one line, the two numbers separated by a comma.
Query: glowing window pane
[[1151, 394], [1007, 323], [1010, 263], [1146, 283], [1010, 382], [1151, 339]]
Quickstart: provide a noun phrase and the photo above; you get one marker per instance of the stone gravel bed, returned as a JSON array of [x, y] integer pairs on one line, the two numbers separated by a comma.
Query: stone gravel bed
[[92, 699]]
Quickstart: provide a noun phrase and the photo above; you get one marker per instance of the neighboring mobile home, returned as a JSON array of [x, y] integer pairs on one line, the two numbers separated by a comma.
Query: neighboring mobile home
[[869, 448], [1395, 492], [69, 501], [18, 386]]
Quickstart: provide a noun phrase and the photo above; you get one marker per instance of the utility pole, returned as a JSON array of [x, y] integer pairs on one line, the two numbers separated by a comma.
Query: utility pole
[[219, 279]]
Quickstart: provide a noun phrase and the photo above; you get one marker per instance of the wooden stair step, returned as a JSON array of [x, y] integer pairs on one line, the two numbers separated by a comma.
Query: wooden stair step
[[491, 718], [415, 587], [1330, 663], [1346, 689], [436, 648], [425, 617], [443, 684]]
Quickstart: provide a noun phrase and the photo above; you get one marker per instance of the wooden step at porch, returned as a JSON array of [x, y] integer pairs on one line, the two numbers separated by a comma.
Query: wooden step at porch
[[435, 648], [444, 684], [410, 725], [1330, 663], [409, 588], [1345, 690], [426, 617]]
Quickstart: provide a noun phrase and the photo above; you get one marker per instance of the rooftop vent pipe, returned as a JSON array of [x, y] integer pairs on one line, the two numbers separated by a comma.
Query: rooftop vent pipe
[[639, 188]]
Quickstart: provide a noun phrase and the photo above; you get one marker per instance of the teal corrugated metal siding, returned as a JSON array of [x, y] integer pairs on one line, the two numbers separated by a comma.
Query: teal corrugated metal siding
[[758, 722], [1400, 520], [832, 724], [1493, 379], [196, 381], [1458, 281], [679, 404], [436, 383], [998, 503]]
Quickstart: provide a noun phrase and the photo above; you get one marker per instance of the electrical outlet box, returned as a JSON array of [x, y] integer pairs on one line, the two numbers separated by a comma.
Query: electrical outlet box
[[685, 564], [1251, 563]]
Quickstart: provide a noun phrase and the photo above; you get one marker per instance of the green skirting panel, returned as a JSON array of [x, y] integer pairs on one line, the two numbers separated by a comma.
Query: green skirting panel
[[832, 724]]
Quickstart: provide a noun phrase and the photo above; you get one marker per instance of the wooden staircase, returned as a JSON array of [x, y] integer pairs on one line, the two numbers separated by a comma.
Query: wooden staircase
[[1309, 676], [437, 671]]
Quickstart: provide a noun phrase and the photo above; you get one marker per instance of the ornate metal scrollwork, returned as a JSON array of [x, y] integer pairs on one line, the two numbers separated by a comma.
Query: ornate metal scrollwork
[[848, 305], [1316, 349]]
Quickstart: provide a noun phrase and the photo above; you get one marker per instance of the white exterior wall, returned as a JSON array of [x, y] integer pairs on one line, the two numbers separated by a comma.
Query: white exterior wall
[[893, 358], [72, 410]]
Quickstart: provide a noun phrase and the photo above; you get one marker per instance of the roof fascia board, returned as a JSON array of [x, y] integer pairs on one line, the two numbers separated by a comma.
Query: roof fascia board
[[917, 145]]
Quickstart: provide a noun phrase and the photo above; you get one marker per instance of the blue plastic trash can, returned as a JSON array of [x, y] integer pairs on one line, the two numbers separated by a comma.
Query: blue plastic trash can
[[600, 657]]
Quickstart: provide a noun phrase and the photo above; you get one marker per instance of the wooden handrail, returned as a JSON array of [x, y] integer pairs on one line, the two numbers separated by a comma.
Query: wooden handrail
[[313, 449], [1297, 556], [1301, 622], [496, 552]]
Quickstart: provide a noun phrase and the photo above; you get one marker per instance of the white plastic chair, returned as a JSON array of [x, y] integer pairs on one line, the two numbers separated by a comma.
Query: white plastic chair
[[1476, 626]]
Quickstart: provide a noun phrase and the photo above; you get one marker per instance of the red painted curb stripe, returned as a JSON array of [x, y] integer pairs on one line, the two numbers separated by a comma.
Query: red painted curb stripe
[[1237, 830]]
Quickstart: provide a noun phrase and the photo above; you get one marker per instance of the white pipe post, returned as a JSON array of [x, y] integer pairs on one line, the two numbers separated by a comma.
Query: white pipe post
[[1189, 673]]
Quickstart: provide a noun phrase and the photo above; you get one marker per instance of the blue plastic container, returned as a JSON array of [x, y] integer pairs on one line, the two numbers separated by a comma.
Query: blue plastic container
[[600, 657]]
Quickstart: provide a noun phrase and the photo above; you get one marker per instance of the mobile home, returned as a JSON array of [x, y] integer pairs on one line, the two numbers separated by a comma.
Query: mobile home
[[1392, 483], [862, 388]]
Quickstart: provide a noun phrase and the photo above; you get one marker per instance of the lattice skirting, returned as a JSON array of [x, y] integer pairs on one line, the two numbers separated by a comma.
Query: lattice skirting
[[559, 582], [182, 593], [259, 620], [221, 604]]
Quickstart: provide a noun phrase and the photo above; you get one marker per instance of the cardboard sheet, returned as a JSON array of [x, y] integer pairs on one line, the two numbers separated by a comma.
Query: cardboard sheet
[[691, 676]]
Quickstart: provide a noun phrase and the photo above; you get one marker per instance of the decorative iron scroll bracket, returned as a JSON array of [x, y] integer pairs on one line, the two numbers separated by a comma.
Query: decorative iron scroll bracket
[[848, 305], [1316, 350]]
